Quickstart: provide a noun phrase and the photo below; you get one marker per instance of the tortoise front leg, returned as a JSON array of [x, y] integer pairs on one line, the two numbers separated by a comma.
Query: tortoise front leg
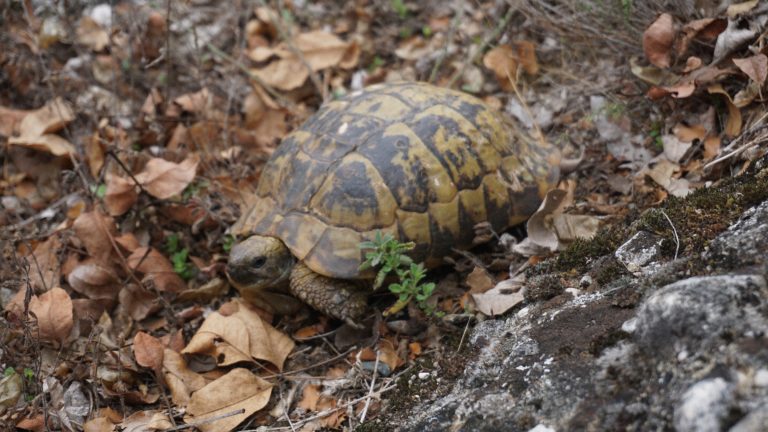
[[334, 297]]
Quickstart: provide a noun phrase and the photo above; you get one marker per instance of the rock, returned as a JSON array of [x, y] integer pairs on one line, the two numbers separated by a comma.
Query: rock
[[657, 351], [755, 421], [700, 310], [745, 242], [704, 406], [639, 251]]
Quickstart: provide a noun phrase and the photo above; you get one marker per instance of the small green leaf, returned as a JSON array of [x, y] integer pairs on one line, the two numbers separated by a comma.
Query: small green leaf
[[9, 371], [29, 373]]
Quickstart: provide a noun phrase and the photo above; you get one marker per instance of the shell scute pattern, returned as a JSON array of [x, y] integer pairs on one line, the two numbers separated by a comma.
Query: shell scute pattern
[[421, 162]]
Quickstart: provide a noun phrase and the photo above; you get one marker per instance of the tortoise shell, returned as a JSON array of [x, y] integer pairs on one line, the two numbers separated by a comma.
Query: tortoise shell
[[421, 162]]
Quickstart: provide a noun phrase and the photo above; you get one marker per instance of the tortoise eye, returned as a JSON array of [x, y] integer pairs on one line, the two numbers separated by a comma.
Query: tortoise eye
[[258, 262]]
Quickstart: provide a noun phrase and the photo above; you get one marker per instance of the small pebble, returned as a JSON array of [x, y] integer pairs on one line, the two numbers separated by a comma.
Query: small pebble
[[424, 376]]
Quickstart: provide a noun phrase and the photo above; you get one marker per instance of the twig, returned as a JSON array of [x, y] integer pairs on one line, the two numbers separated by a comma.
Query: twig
[[494, 34], [674, 231], [463, 335], [205, 421], [370, 388]]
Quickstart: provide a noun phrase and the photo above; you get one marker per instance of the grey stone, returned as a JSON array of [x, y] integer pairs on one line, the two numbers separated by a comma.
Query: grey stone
[[704, 406], [639, 251]]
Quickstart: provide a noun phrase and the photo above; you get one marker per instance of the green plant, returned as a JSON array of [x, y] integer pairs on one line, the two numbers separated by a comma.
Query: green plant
[[99, 190], [227, 243], [400, 8], [426, 31], [179, 257], [388, 255]]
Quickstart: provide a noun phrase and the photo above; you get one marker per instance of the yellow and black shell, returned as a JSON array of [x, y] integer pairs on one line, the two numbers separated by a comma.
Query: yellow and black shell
[[421, 162]]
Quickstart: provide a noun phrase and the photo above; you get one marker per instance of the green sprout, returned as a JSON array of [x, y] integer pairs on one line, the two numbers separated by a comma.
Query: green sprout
[[179, 257], [388, 255], [400, 8], [227, 243]]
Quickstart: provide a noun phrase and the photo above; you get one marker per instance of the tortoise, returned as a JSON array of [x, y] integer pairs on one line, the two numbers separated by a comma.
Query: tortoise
[[423, 163]]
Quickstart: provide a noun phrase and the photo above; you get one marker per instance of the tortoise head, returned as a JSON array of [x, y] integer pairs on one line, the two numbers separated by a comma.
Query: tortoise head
[[259, 263]]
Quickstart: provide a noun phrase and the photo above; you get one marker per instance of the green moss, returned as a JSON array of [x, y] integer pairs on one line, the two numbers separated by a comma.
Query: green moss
[[697, 219]]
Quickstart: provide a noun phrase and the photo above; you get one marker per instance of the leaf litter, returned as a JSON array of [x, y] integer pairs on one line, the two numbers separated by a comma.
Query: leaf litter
[[134, 146]]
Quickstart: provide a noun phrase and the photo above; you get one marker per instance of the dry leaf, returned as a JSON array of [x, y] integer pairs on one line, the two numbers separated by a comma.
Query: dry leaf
[[480, 281], [53, 310], [44, 267], [734, 122], [196, 103], [90, 34], [706, 29], [711, 147], [238, 390], [52, 144], [50, 118], [181, 380], [163, 179], [146, 421], [501, 60], [740, 8], [539, 231], [94, 281], [10, 120], [241, 336], [658, 39], [309, 397], [756, 67], [674, 148], [498, 300], [148, 351], [137, 301], [120, 196], [572, 227], [97, 232], [319, 50], [156, 268]]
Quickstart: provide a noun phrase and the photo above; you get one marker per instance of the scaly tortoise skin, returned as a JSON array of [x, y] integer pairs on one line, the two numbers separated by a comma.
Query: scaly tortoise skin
[[421, 162]]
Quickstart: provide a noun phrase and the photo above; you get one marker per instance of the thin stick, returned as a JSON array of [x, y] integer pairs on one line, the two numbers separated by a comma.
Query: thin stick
[[370, 389], [461, 341], [674, 231]]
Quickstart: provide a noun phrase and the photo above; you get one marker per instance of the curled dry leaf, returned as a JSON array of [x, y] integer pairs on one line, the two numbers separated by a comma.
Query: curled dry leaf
[[706, 29], [734, 122], [241, 336], [658, 39], [238, 390], [53, 310], [163, 179], [148, 351], [96, 231], [49, 143], [121, 194], [94, 280]]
